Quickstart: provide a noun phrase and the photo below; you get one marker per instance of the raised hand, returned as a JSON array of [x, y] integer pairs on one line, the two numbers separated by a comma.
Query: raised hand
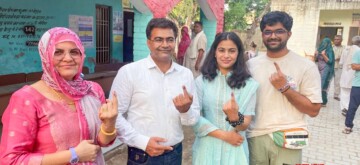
[[108, 113], [231, 109], [278, 79], [183, 101], [153, 147], [87, 151], [325, 57], [323, 53]]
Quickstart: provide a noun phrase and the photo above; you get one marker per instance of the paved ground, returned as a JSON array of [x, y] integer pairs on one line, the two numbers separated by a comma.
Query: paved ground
[[328, 145]]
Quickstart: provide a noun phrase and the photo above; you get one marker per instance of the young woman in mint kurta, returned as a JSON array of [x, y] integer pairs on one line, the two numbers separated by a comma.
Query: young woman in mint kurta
[[224, 79]]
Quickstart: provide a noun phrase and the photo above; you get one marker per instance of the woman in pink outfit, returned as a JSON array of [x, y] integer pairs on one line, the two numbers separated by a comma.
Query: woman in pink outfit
[[61, 119], [183, 45]]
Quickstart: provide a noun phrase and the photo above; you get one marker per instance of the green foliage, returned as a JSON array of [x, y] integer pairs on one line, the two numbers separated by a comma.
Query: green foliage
[[234, 16], [254, 5], [185, 12], [239, 11]]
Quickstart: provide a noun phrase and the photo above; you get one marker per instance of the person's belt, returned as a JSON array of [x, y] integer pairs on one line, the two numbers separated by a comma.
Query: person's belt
[[131, 149]]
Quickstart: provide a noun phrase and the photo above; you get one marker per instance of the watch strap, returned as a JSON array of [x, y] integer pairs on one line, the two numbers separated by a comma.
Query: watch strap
[[74, 157]]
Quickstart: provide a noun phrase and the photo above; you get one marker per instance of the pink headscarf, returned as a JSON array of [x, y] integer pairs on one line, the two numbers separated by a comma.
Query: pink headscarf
[[75, 89], [184, 42]]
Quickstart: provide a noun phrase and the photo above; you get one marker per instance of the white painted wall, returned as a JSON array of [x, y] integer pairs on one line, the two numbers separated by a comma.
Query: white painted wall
[[309, 15]]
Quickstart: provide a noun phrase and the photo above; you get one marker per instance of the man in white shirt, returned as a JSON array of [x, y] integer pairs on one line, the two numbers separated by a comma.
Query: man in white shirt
[[158, 96], [347, 74], [338, 49], [355, 92]]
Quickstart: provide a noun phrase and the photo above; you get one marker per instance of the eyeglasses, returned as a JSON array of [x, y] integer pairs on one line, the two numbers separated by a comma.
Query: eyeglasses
[[159, 40], [269, 33], [59, 54]]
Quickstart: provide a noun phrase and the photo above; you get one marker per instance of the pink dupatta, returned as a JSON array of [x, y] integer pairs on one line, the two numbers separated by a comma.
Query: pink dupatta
[[34, 126], [81, 91]]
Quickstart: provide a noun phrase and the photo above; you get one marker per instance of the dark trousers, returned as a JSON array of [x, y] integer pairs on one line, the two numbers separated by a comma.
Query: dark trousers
[[353, 106], [140, 157]]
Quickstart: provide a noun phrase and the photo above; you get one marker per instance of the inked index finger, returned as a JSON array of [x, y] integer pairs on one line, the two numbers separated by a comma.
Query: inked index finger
[[233, 97], [185, 91], [277, 67], [115, 100]]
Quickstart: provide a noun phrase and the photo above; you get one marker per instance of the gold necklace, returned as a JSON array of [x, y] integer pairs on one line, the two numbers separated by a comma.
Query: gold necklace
[[61, 98]]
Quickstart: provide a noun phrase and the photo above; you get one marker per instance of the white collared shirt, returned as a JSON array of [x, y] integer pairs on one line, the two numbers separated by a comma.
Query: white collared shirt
[[145, 94]]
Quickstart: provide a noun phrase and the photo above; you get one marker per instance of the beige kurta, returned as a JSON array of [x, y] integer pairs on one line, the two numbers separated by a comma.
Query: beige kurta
[[337, 51], [199, 42]]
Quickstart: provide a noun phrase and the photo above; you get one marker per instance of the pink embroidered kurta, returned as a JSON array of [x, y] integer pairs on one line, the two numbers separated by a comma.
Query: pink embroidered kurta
[[34, 125]]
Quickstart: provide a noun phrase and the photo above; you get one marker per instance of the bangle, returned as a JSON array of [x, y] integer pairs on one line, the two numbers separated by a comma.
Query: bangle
[[105, 133], [284, 88], [235, 123]]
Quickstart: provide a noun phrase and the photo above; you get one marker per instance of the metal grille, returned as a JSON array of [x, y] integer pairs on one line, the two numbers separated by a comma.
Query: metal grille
[[102, 34]]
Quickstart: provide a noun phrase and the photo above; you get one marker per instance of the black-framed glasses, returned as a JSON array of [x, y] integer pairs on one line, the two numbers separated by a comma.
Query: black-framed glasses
[[160, 40], [276, 32]]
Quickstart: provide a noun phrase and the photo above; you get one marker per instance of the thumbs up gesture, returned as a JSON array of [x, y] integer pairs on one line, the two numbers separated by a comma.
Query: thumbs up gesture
[[231, 109], [183, 101], [278, 79]]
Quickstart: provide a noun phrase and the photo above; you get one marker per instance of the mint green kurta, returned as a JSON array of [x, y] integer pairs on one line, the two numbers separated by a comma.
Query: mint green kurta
[[213, 95]]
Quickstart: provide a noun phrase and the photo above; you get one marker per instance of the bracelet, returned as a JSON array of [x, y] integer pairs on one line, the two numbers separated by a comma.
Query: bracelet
[[235, 123], [105, 133], [284, 88]]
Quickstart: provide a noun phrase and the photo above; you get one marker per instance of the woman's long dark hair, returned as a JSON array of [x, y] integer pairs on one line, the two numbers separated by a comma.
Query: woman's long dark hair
[[240, 72]]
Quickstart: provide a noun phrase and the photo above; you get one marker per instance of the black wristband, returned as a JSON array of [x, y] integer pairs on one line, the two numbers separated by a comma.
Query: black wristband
[[236, 123]]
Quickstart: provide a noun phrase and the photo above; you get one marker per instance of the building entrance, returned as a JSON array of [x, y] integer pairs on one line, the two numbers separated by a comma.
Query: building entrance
[[329, 32]]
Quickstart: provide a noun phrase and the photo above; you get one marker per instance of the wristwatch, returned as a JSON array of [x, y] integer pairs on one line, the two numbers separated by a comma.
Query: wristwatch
[[74, 157]]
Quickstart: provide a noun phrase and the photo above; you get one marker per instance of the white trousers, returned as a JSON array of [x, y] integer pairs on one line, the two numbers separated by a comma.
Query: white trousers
[[344, 98], [337, 82]]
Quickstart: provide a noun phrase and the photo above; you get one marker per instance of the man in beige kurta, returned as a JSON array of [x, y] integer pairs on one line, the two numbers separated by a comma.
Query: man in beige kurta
[[338, 49], [195, 54]]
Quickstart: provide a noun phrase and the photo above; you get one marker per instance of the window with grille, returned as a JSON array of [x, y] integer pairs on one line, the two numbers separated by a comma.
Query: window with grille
[[103, 34], [356, 19]]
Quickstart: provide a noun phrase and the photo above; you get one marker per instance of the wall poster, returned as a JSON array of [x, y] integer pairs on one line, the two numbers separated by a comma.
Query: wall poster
[[83, 26], [118, 23]]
